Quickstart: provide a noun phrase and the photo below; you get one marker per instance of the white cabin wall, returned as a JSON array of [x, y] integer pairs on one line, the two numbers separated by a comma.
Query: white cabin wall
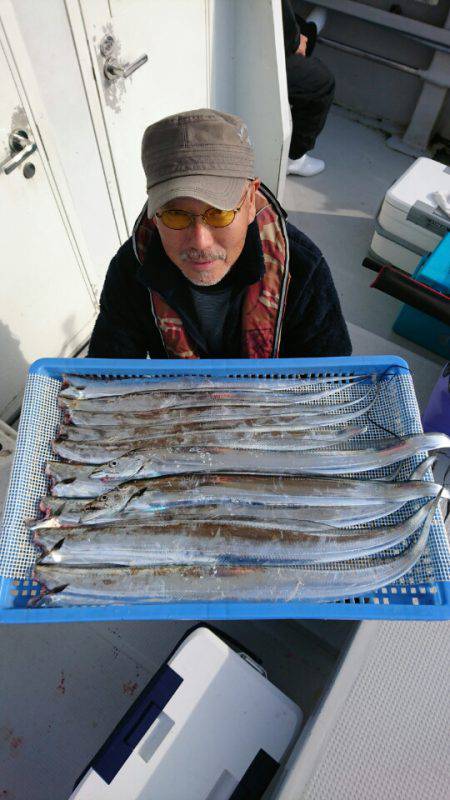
[[222, 54], [261, 88], [50, 47], [248, 78]]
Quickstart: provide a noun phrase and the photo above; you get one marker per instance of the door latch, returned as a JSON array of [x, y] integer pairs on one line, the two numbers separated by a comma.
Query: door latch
[[21, 145], [112, 69]]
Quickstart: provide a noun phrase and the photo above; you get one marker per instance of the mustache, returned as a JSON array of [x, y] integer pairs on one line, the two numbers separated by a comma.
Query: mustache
[[191, 254]]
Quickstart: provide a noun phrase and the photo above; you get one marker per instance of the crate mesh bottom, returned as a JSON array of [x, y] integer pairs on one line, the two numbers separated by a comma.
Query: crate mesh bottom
[[395, 410]]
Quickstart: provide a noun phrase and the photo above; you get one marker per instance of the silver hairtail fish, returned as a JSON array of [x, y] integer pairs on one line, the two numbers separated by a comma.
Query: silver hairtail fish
[[226, 404], [292, 417], [137, 514], [158, 401], [98, 452], [178, 583], [148, 463], [219, 542], [79, 387], [247, 438]]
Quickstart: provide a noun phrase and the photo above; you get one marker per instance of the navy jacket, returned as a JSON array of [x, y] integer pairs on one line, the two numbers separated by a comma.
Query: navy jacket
[[125, 328]]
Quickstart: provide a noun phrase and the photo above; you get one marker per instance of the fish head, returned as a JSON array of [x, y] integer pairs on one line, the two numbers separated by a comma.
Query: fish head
[[125, 466], [113, 502], [104, 501]]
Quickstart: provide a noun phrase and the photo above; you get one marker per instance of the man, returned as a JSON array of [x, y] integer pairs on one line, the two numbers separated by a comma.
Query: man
[[212, 269], [310, 88]]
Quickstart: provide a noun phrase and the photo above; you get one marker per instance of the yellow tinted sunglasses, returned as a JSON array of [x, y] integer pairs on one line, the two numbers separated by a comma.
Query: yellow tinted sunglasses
[[215, 217]]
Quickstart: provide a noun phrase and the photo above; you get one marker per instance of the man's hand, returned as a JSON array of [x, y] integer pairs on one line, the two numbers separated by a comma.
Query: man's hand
[[301, 49]]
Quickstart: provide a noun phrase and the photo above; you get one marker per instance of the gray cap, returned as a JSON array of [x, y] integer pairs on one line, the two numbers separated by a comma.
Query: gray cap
[[203, 153]]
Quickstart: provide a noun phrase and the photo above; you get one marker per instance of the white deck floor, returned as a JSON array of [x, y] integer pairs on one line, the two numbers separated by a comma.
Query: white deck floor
[[64, 687]]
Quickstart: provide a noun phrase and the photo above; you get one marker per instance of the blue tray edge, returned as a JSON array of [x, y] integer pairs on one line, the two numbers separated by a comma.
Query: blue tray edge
[[54, 367], [228, 611], [221, 610]]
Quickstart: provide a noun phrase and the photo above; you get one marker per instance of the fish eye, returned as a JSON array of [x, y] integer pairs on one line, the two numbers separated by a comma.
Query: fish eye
[[114, 463]]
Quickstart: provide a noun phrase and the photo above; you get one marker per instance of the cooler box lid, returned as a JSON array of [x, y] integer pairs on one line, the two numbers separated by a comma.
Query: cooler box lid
[[418, 184], [209, 726]]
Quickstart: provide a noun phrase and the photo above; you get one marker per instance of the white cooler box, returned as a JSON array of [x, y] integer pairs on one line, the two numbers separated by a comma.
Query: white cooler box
[[410, 224], [208, 726]]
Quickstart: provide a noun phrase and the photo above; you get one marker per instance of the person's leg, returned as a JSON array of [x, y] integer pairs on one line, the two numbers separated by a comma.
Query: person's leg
[[311, 92]]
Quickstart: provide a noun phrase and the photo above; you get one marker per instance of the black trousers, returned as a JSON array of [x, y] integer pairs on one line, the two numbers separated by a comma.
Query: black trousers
[[310, 92]]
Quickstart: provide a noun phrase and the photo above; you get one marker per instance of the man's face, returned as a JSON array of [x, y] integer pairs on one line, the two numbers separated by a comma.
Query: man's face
[[205, 254]]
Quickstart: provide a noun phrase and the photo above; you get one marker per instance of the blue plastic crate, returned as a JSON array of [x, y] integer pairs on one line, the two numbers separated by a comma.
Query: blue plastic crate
[[422, 594]]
